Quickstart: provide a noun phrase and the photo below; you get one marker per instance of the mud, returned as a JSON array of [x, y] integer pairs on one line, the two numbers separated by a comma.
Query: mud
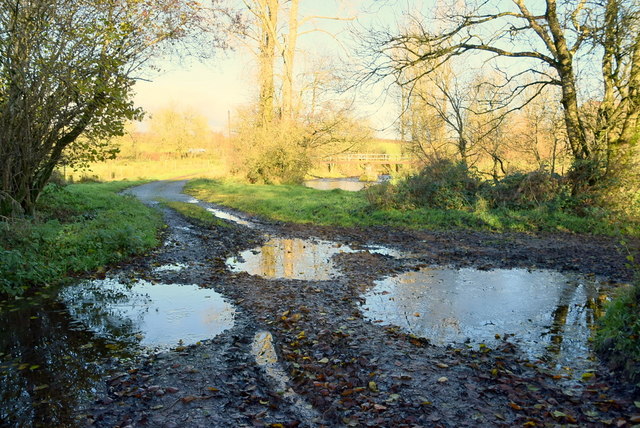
[[340, 368]]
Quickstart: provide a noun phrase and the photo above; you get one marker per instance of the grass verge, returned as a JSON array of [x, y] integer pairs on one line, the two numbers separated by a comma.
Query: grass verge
[[299, 204], [79, 228], [618, 336], [196, 213]]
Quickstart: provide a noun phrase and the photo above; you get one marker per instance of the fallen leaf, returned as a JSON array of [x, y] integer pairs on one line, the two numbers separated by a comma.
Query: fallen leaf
[[188, 399], [373, 387], [210, 388], [40, 387], [587, 376], [514, 406], [442, 365], [443, 379], [325, 360]]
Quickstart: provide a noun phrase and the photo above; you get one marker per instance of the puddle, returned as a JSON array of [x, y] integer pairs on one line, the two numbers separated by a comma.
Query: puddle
[[49, 362], [350, 184], [176, 267], [153, 315], [266, 357], [385, 251], [226, 216], [549, 314], [281, 258]]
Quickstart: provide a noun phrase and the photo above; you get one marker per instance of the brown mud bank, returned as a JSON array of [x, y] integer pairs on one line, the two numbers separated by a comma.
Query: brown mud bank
[[331, 365]]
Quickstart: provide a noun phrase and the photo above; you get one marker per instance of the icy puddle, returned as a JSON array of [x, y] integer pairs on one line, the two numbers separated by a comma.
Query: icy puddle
[[153, 315], [549, 314], [308, 260]]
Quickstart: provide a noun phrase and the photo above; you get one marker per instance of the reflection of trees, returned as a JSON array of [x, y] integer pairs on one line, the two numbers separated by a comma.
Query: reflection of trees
[[268, 260], [99, 306], [570, 313], [291, 258], [45, 335], [550, 315]]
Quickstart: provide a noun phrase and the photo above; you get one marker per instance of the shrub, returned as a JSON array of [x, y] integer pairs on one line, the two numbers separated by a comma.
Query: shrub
[[529, 190], [383, 196], [441, 184]]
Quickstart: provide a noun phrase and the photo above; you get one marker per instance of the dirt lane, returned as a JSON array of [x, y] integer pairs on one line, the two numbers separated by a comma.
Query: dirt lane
[[352, 372]]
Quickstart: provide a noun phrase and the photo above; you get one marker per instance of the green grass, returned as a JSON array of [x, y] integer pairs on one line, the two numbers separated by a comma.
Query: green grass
[[79, 228], [618, 336], [196, 213], [299, 204]]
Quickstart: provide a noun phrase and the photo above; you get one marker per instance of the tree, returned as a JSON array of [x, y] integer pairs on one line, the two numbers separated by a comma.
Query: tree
[[546, 40], [67, 69], [179, 129]]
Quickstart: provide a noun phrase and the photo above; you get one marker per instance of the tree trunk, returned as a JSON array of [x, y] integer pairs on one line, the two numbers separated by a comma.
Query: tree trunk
[[564, 66], [269, 22], [289, 57]]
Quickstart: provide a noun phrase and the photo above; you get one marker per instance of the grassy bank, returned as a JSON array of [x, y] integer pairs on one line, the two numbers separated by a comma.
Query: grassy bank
[[79, 228], [196, 213], [339, 208], [618, 336]]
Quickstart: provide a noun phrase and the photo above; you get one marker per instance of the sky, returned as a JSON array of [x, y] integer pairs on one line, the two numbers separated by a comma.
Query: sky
[[221, 85]]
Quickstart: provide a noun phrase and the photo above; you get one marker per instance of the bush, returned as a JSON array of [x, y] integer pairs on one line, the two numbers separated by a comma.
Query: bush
[[278, 165], [529, 190], [441, 184]]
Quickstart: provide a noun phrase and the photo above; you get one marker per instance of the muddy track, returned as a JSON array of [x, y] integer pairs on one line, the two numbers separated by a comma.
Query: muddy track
[[339, 369]]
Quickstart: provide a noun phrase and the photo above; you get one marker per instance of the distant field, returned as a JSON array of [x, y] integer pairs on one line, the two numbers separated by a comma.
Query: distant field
[[117, 170]]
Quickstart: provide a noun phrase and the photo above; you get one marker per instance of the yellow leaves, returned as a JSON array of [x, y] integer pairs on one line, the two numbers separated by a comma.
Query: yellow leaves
[[443, 379], [373, 387], [442, 365]]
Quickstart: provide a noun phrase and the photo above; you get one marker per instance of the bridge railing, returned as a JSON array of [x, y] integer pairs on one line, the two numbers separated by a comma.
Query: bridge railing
[[367, 157]]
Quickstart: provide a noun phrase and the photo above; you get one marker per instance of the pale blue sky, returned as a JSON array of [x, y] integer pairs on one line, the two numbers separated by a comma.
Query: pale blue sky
[[228, 81]]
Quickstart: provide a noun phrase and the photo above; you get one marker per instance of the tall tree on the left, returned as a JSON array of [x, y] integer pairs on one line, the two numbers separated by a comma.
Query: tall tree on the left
[[67, 69]]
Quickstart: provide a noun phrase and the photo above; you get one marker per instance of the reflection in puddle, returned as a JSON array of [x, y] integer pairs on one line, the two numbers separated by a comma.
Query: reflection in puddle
[[290, 259], [155, 315], [176, 267], [266, 357], [294, 258], [49, 362], [549, 313], [226, 216], [350, 184]]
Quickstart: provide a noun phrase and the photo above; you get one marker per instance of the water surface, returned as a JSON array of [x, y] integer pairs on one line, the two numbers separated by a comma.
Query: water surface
[[350, 184], [60, 344], [154, 315], [293, 258], [549, 314]]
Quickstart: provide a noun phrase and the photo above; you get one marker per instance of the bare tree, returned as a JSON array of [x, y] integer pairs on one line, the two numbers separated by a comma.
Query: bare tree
[[545, 38]]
